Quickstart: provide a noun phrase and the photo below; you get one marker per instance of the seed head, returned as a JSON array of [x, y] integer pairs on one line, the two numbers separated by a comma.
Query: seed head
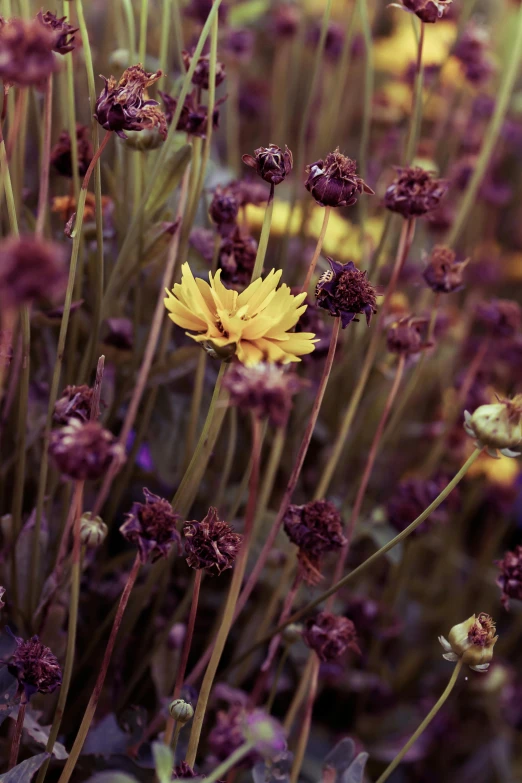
[[330, 636], [345, 291], [414, 192], [472, 641], [316, 528], [30, 269], [264, 389], [443, 273], [75, 403], [193, 117], [152, 527], [510, 577], [84, 450], [405, 336], [496, 427], [26, 53], [124, 104], [333, 182], [62, 31], [35, 667], [93, 530], [201, 76], [210, 545], [61, 155], [502, 317], [271, 163]]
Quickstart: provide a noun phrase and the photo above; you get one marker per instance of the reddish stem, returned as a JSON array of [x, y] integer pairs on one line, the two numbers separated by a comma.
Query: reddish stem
[[17, 736]]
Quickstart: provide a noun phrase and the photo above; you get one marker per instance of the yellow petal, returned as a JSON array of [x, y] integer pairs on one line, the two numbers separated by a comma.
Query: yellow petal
[[248, 353]]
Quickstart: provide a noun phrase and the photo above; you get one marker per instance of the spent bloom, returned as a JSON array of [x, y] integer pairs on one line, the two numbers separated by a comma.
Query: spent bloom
[[472, 641], [330, 636], [210, 545], [271, 163], [193, 117], [84, 450], [333, 182], [428, 11], [152, 526], [405, 336], [201, 76], [75, 403], [26, 53], [414, 192], [61, 155], [223, 208], [254, 325], [35, 666], [496, 427], [237, 257], [346, 292], [264, 389], [510, 577], [62, 31], [124, 105], [30, 269], [316, 528], [443, 273]]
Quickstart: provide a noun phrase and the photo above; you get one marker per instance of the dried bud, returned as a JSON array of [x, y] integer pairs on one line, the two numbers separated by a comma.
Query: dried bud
[[497, 426], [152, 526], [316, 528], [414, 192], [26, 53], [345, 292], [224, 207], [35, 667], [181, 711], [330, 636], [201, 76], [472, 51], [502, 317], [264, 732], [30, 269], [84, 450], [472, 641], [333, 182], [93, 530], [236, 259], [177, 636], [211, 545], [193, 117], [271, 163], [443, 273], [510, 578], [405, 338], [75, 403], [61, 155], [428, 11], [62, 31], [264, 389], [124, 105]]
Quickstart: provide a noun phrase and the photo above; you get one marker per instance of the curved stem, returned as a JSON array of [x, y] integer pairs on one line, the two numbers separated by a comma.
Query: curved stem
[[265, 233], [226, 765], [302, 742], [427, 720], [317, 251]]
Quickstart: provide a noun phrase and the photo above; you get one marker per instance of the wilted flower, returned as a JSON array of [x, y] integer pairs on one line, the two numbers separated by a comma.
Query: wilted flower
[[124, 104], [93, 530], [152, 527], [84, 450], [271, 163], [502, 317], [26, 53], [472, 641], [75, 403], [330, 636], [496, 427], [211, 545], [472, 51], [264, 732], [428, 11], [254, 325], [62, 31], [266, 390], [443, 273], [414, 192], [61, 155], [223, 209], [405, 336], [316, 528], [30, 269], [193, 117], [510, 577], [236, 258], [333, 182], [35, 666], [201, 76], [346, 292]]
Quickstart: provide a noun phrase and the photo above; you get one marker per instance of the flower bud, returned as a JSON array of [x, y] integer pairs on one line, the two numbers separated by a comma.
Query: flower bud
[[93, 530], [181, 711], [142, 141], [497, 426], [471, 641], [271, 163], [292, 633]]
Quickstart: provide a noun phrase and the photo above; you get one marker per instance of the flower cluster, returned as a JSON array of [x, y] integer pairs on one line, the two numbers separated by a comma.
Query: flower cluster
[[35, 667]]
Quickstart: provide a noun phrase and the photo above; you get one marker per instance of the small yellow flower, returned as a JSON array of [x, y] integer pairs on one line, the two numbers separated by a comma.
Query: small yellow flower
[[472, 641], [254, 325]]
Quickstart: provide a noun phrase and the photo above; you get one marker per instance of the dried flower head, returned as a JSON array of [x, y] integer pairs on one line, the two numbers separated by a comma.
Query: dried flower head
[[266, 390], [333, 182], [249, 191], [201, 76], [30, 269], [236, 258], [502, 317], [62, 31], [26, 53], [93, 530], [223, 208], [152, 527], [61, 155], [239, 45], [84, 450], [75, 403], [271, 163], [510, 578], [35, 667], [193, 118], [406, 336], [254, 325], [211, 545], [124, 104], [316, 528], [443, 272], [472, 641], [414, 192], [428, 11], [346, 292], [496, 427], [473, 52], [330, 636]]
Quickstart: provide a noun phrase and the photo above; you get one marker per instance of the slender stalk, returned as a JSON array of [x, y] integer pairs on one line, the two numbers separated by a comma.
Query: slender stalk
[[427, 720], [232, 120], [277, 676], [317, 251], [17, 736], [362, 7], [142, 52], [263, 239], [235, 586], [71, 112], [229, 460], [131, 28], [299, 695], [195, 406], [233, 759], [302, 742], [165, 35], [492, 133], [93, 701], [45, 165], [416, 106]]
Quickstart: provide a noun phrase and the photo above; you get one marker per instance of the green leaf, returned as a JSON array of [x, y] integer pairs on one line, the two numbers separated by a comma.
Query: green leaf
[[248, 12], [24, 772], [169, 177], [163, 761]]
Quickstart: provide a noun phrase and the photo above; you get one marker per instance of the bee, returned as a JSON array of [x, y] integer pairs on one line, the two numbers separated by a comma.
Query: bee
[[325, 278]]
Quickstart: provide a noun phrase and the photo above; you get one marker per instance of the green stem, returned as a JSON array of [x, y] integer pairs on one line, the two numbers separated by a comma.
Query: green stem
[[229, 459], [131, 29], [317, 251], [278, 672], [165, 35], [226, 765], [71, 112], [263, 239], [143, 31], [45, 166], [362, 7], [427, 720], [492, 134], [416, 108], [304, 734], [195, 406]]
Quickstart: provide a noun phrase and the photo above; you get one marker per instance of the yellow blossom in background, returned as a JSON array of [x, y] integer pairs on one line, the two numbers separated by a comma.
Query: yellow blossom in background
[[254, 325], [501, 471], [395, 53]]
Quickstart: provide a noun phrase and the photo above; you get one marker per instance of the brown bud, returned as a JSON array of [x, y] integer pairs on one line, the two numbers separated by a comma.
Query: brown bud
[[271, 163]]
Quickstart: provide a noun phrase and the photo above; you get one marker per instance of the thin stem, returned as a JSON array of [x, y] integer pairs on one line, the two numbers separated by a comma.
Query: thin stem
[[17, 736], [45, 166], [232, 120], [317, 251], [299, 695], [302, 742], [492, 133], [131, 28], [229, 460], [233, 594], [93, 701], [226, 765], [416, 106], [175, 737], [277, 676], [195, 406], [165, 35], [143, 30], [263, 239], [362, 8], [427, 720]]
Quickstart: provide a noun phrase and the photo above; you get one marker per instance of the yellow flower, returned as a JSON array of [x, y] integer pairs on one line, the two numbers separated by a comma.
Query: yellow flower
[[254, 325]]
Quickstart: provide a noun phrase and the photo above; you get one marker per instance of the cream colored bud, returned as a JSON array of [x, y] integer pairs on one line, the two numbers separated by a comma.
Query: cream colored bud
[[181, 711], [497, 426], [292, 633], [472, 641], [93, 530], [144, 140]]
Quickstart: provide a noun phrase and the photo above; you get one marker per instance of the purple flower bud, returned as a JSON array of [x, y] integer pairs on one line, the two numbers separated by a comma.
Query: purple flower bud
[[152, 527], [333, 182], [271, 163]]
